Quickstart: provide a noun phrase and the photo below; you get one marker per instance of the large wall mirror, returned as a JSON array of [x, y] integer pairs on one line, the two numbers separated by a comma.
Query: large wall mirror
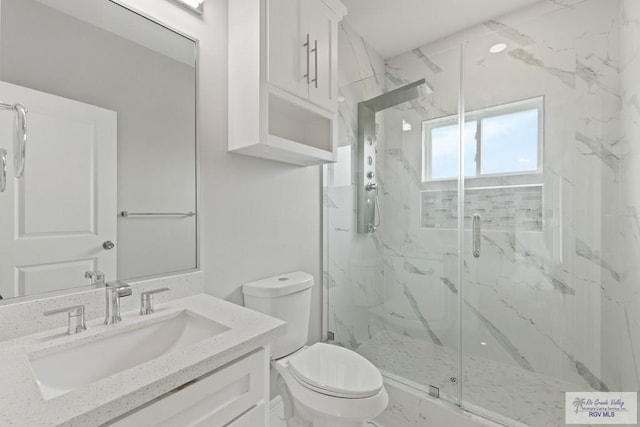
[[109, 180]]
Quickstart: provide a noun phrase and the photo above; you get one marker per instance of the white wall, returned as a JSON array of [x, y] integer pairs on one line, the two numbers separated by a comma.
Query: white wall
[[258, 218]]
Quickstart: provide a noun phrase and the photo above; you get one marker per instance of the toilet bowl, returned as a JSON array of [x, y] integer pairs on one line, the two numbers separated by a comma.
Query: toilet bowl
[[329, 385], [321, 385]]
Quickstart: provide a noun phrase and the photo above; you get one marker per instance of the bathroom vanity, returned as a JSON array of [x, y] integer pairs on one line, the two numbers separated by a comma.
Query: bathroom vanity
[[197, 360], [109, 193]]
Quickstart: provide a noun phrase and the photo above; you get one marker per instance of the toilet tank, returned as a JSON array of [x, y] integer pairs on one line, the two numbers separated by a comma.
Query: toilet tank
[[286, 297]]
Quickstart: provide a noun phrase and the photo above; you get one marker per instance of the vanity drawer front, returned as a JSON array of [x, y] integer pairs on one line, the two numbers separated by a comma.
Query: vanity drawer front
[[213, 400], [255, 417]]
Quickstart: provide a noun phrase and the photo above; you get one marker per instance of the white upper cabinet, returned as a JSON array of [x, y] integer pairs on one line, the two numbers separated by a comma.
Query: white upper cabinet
[[283, 79], [303, 50], [286, 52], [318, 22]]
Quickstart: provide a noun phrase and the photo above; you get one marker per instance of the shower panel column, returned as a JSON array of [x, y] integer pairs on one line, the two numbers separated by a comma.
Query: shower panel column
[[366, 179], [366, 183]]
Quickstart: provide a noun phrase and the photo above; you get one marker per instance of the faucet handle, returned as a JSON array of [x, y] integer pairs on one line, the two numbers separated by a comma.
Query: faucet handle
[[146, 300], [114, 291], [76, 318], [96, 276]]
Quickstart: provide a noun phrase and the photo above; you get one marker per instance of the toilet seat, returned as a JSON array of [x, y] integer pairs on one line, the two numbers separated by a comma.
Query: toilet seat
[[335, 371], [333, 407]]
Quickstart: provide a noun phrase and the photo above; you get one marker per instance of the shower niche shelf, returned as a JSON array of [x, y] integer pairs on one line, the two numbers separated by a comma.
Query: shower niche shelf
[[283, 79]]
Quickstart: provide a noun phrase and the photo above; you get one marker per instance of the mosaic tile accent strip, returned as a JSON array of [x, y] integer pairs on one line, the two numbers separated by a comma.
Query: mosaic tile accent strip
[[500, 208]]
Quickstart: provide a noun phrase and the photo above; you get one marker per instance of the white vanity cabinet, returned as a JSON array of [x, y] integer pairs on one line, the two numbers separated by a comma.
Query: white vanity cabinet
[[234, 395], [283, 79]]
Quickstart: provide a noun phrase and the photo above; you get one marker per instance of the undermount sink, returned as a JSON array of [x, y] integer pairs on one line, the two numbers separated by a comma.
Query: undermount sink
[[62, 371]]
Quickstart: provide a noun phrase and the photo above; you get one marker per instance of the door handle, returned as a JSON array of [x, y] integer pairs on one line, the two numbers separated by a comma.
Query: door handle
[[308, 46], [3, 171], [108, 245], [476, 235]]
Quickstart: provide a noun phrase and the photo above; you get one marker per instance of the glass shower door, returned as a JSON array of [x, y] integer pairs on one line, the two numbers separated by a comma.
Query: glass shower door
[[543, 308], [392, 289]]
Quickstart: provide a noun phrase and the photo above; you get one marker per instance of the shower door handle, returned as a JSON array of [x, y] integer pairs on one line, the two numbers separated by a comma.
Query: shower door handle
[[476, 235], [3, 170]]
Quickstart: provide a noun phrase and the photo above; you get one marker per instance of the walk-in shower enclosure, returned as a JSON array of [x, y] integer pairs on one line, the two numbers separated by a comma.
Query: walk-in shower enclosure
[[540, 142]]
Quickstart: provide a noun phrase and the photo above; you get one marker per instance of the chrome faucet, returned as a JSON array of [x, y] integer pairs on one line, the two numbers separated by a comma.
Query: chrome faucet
[[96, 276], [76, 318], [146, 301], [114, 291]]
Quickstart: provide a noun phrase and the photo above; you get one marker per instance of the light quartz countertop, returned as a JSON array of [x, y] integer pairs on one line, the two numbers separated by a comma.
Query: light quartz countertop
[[21, 403]]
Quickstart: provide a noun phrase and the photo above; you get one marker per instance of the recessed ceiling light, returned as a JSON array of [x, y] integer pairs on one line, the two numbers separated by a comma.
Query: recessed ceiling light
[[196, 6], [483, 343], [498, 47]]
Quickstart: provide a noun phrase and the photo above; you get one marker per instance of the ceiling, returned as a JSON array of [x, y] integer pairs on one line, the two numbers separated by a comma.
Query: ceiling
[[393, 27]]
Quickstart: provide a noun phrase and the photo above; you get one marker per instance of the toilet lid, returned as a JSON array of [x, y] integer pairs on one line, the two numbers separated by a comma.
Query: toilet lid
[[336, 371]]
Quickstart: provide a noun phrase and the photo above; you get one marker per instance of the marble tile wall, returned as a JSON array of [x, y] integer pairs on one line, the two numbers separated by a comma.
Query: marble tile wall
[[562, 300], [621, 250], [501, 208], [547, 302]]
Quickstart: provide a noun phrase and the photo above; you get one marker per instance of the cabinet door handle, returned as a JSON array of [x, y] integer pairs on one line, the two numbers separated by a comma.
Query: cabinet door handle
[[315, 54], [3, 170], [476, 235], [308, 75]]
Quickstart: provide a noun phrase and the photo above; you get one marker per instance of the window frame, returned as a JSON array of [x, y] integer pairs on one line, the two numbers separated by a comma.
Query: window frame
[[536, 103]]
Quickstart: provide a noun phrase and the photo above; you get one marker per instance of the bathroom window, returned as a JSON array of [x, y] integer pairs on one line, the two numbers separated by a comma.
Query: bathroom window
[[501, 140]]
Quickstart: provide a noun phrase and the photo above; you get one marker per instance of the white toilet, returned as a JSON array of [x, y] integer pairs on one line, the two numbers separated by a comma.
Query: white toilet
[[322, 385]]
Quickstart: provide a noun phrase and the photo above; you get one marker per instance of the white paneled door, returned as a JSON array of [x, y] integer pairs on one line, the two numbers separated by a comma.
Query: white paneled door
[[55, 220]]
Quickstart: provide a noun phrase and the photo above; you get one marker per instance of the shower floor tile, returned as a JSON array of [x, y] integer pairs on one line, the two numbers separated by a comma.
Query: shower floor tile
[[520, 395]]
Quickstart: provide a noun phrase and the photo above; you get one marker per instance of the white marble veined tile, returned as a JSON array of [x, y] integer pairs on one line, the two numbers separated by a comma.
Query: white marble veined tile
[[555, 309], [357, 59], [527, 397]]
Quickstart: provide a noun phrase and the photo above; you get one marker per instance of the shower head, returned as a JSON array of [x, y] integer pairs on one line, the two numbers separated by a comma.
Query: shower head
[[398, 96]]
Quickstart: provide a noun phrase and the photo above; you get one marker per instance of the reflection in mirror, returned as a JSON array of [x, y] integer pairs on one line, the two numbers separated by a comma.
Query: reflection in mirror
[[111, 100]]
